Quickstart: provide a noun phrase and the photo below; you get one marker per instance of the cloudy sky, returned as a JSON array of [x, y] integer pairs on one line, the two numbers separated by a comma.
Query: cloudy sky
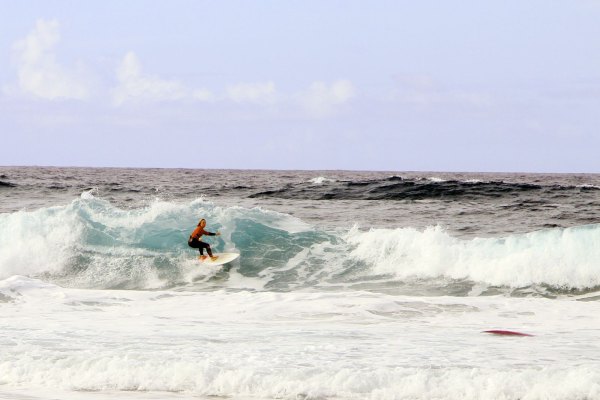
[[360, 85]]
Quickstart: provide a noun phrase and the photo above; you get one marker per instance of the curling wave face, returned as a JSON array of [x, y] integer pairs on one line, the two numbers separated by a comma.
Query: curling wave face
[[90, 243]]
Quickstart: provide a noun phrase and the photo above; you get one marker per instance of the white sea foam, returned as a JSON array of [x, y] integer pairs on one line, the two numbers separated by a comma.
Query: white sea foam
[[347, 345], [38, 241], [435, 179], [321, 180], [557, 257]]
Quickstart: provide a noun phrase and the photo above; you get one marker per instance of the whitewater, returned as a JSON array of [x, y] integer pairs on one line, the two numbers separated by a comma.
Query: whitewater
[[349, 285]]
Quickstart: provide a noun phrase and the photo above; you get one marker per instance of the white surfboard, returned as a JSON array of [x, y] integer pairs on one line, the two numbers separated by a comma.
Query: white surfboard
[[222, 258]]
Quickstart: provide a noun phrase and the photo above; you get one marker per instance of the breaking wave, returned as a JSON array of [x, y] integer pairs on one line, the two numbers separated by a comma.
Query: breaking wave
[[90, 243]]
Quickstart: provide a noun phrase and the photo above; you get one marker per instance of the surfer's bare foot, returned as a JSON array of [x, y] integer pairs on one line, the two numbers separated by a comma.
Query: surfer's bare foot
[[213, 258], [202, 257]]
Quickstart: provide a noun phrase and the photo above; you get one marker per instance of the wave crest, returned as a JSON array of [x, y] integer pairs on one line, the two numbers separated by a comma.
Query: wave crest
[[561, 258]]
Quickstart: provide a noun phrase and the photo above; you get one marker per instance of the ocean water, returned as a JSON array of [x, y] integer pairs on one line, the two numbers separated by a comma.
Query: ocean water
[[349, 285]]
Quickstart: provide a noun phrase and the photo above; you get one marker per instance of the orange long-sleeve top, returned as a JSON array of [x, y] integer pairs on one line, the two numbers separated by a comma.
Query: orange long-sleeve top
[[198, 232]]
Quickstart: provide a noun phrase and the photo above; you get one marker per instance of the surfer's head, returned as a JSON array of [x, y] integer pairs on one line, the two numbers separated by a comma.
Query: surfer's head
[[202, 223]]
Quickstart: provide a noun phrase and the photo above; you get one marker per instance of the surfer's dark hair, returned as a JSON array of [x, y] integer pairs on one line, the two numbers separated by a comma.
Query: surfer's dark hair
[[201, 219]]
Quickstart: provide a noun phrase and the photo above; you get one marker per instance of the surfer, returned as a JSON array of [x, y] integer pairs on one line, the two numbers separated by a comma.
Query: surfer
[[195, 242]]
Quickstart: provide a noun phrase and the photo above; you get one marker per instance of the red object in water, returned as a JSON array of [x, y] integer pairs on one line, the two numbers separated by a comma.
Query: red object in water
[[507, 333]]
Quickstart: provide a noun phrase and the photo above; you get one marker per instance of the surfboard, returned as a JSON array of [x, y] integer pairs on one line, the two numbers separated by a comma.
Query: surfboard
[[223, 258]]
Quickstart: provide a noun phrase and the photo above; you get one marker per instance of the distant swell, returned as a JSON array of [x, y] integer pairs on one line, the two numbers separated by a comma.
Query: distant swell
[[396, 188]]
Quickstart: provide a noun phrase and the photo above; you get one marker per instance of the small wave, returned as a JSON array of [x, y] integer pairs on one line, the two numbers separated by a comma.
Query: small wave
[[436, 179], [6, 184], [321, 180], [395, 178], [588, 187]]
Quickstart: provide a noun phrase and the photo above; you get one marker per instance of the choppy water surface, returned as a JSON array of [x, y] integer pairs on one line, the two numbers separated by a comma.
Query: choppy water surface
[[469, 204], [349, 284]]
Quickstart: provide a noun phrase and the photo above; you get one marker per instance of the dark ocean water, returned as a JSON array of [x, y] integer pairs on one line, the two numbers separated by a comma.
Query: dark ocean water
[[467, 204]]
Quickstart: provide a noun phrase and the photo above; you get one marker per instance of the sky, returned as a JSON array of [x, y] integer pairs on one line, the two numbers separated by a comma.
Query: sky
[[482, 86]]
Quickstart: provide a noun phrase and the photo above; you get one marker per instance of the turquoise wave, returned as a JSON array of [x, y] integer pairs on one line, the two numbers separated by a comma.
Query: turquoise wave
[[91, 243]]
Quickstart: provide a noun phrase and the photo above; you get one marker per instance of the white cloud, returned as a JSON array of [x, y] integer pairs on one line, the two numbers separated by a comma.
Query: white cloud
[[321, 99], [135, 86], [258, 93], [203, 95], [38, 71]]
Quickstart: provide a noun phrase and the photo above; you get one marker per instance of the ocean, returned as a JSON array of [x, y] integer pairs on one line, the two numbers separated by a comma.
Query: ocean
[[349, 285]]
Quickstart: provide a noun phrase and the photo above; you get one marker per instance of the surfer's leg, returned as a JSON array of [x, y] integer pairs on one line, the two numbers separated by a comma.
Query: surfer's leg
[[196, 244], [210, 254], [202, 246], [201, 256], [201, 250]]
